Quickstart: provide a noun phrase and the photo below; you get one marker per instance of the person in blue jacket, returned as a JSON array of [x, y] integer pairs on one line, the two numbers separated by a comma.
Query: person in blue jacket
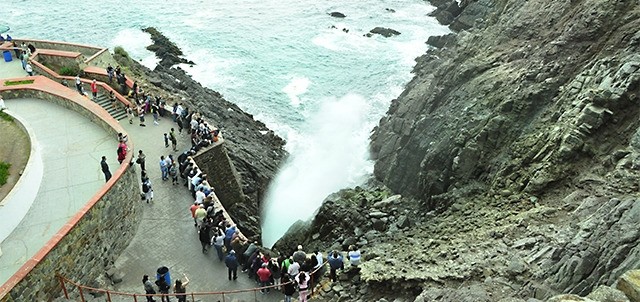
[[232, 264], [335, 262], [228, 236]]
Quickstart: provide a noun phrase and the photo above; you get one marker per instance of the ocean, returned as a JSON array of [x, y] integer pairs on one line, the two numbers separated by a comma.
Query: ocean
[[316, 80]]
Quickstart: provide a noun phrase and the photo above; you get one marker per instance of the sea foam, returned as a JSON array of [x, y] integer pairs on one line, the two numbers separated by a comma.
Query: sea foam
[[334, 154]]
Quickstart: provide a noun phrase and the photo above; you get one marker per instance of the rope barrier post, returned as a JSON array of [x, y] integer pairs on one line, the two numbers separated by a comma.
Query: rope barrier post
[[255, 295], [108, 296], [193, 299], [64, 287], [135, 298], [223, 300]]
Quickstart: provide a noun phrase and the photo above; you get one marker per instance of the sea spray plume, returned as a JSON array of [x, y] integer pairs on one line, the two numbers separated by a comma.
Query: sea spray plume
[[333, 155]]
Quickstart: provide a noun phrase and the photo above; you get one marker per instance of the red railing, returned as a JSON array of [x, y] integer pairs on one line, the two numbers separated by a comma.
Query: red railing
[[82, 290]]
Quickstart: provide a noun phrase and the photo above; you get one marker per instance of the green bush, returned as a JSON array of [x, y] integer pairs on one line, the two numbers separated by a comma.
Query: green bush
[[69, 71], [118, 50], [4, 172]]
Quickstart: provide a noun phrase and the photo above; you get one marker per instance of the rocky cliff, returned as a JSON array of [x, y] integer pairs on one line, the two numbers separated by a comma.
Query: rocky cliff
[[515, 148], [255, 150]]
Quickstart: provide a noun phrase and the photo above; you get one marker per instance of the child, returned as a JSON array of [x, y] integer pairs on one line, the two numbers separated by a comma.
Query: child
[[166, 141]]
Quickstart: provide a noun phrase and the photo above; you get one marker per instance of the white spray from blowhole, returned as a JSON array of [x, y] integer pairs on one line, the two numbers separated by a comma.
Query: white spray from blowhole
[[333, 155]]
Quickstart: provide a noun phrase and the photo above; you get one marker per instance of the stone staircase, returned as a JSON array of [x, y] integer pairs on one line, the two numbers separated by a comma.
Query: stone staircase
[[119, 113]]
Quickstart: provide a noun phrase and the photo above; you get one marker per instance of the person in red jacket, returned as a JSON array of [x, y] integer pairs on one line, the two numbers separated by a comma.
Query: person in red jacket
[[264, 275], [94, 89], [122, 152]]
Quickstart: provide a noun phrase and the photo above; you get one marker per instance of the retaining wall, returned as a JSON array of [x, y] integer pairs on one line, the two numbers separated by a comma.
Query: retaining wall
[[93, 238], [222, 175], [86, 50], [58, 61]]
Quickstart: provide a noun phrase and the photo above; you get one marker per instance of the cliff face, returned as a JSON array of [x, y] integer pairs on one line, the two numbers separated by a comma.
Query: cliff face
[[542, 89], [537, 101], [516, 150]]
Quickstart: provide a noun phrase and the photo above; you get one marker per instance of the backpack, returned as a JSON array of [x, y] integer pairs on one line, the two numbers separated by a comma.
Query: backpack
[[145, 187]]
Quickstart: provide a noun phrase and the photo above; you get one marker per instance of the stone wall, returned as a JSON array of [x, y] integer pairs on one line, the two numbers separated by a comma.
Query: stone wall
[[215, 162], [86, 50], [101, 59], [57, 62], [98, 233], [222, 175]]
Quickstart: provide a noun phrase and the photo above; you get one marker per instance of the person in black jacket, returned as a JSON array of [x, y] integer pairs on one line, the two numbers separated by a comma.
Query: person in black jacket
[[105, 169], [288, 287]]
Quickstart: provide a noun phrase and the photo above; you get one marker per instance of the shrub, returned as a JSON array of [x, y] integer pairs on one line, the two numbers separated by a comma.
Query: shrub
[[118, 50], [4, 172], [69, 71]]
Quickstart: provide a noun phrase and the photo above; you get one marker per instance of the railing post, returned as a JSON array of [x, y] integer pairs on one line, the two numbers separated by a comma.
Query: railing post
[[81, 294], [223, 300], [255, 295], [193, 299], [135, 298], [64, 287], [108, 296]]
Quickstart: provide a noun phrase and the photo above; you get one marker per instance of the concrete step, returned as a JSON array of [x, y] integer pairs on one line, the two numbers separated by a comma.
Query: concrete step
[[103, 100]]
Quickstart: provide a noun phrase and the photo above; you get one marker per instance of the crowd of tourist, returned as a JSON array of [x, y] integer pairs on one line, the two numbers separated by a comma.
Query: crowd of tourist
[[288, 273]]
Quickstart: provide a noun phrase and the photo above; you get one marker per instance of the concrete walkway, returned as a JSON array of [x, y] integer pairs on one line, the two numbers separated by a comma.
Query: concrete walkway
[[167, 235], [71, 147]]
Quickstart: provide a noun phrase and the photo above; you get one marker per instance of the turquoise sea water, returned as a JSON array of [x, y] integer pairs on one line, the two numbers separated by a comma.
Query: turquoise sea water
[[320, 88]]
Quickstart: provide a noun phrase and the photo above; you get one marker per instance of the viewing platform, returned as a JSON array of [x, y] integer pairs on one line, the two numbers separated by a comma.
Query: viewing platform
[[79, 226]]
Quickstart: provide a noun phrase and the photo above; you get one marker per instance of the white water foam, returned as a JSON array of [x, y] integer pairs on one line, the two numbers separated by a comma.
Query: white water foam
[[210, 70], [334, 155], [135, 41], [296, 87]]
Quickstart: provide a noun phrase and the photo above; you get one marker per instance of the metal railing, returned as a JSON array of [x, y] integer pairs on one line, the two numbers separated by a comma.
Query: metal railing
[[223, 295]]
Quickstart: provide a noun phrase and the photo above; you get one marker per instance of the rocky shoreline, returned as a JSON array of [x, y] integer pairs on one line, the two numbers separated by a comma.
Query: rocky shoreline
[[507, 170], [255, 150]]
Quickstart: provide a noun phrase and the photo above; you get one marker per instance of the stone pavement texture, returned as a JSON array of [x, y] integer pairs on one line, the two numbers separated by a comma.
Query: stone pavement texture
[[71, 147], [167, 236]]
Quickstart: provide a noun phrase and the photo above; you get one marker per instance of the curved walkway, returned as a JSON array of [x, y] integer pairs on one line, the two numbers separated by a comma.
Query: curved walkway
[[71, 147]]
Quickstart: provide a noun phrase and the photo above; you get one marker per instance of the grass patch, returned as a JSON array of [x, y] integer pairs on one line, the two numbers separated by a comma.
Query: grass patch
[[4, 172], [13, 83], [69, 71], [5, 116]]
